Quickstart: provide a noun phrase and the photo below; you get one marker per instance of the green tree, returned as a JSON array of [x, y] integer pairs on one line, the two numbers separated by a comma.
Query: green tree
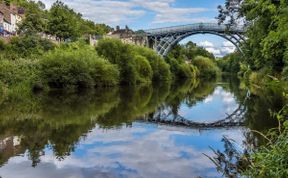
[[207, 68], [63, 22], [35, 19], [267, 32]]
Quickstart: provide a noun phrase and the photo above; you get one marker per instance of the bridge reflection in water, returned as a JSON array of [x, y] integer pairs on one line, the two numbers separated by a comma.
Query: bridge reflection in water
[[101, 132]]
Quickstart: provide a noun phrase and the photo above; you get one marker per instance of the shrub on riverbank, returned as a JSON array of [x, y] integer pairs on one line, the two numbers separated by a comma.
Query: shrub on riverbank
[[181, 69], [127, 58], [207, 68], [15, 72], [161, 70], [66, 68], [271, 159], [2, 45], [144, 69], [230, 63], [28, 46]]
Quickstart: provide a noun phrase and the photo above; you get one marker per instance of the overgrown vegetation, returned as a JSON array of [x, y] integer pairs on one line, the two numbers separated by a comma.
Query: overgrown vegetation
[[230, 63], [208, 69], [72, 67], [266, 47], [268, 160], [264, 63], [60, 21], [190, 60], [39, 63], [136, 64]]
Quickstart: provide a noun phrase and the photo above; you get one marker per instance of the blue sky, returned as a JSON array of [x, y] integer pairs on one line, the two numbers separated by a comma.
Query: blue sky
[[146, 14]]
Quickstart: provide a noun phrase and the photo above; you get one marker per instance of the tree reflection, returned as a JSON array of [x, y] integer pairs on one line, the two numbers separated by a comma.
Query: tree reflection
[[233, 161], [59, 120]]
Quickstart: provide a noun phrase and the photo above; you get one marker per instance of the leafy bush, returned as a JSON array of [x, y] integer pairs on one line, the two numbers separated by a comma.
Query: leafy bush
[[285, 73], [14, 72], [181, 69], [82, 67], [128, 58], [2, 45], [271, 160], [118, 53], [161, 70], [230, 63], [26, 46], [207, 68], [144, 69], [260, 77]]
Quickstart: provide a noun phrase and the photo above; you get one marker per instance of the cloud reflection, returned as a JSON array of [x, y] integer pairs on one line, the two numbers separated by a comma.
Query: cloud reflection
[[154, 152], [215, 107]]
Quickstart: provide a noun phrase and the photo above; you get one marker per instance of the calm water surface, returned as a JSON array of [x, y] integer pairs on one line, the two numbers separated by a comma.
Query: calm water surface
[[107, 133]]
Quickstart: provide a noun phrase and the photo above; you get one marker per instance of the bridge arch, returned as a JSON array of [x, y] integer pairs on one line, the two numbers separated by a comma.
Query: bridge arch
[[162, 40]]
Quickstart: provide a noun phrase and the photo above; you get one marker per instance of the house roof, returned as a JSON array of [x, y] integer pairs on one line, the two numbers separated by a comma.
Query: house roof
[[12, 9], [6, 12]]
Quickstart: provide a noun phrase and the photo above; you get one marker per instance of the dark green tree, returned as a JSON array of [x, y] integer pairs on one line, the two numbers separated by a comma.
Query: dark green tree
[[63, 22], [267, 32], [35, 19]]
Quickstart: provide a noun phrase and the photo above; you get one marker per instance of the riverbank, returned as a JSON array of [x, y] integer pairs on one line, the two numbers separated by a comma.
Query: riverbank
[[73, 66]]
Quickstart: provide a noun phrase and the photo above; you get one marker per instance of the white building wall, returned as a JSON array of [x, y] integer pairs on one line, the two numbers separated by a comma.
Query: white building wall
[[7, 26], [13, 23]]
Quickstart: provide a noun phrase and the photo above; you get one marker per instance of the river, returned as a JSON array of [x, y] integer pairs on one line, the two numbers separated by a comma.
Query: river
[[130, 131]]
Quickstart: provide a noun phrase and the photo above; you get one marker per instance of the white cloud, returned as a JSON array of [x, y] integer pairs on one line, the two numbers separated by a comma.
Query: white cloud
[[227, 47], [219, 51], [103, 11], [206, 44], [210, 47], [114, 12], [214, 51]]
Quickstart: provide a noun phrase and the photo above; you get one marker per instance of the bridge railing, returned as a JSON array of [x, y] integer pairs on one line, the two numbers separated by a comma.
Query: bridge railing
[[196, 27]]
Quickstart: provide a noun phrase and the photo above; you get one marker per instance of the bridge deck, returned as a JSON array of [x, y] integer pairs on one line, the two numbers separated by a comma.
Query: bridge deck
[[194, 27]]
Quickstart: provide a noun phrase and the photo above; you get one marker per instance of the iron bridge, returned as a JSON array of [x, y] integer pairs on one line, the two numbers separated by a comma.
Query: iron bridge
[[162, 40]]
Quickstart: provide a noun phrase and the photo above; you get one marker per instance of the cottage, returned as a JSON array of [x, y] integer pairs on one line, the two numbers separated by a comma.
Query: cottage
[[10, 16], [128, 36]]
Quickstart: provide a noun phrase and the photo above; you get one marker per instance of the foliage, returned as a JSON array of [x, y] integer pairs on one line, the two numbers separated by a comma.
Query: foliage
[[181, 69], [161, 70], [267, 32], [129, 59], [102, 29], [81, 67], [285, 73], [144, 69], [182, 58], [188, 52], [18, 75], [34, 21], [207, 68], [271, 161], [118, 53], [63, 21], [230, 63], [2, 45], [28, 45]]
